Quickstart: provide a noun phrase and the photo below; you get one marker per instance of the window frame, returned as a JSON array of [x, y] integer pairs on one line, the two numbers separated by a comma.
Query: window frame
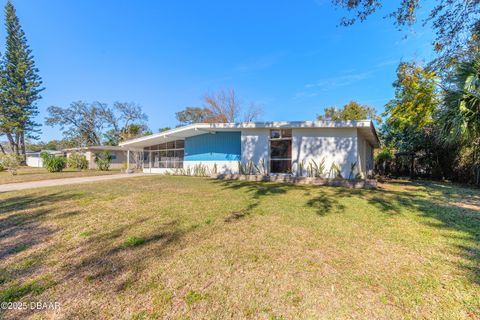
[[282, 137], [160, 159]]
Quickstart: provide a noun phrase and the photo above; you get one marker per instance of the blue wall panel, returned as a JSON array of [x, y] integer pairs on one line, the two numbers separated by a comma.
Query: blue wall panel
[[221, 146]]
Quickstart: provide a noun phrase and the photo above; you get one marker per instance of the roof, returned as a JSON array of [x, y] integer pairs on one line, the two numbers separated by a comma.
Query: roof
[[364, 126], [97, 148], [47, 151]]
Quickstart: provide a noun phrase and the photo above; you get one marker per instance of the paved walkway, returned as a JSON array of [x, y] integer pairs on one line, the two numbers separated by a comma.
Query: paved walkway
[[62, 182]]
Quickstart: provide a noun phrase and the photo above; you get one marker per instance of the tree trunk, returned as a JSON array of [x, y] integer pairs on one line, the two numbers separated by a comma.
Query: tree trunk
[[22, 148], [17, 143], [2, 149], [11, 141], [412, 166]]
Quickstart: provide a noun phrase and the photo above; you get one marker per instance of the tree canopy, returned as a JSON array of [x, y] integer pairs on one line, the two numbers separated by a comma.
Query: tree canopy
[[90, 124], [351, 111]]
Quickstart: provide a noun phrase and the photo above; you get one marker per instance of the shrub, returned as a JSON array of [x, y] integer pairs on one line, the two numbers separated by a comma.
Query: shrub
[[54, 163], [10, 162], [77, 161], [103, 160]]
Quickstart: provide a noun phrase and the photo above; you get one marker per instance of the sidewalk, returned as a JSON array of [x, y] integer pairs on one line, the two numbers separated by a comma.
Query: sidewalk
[[62, 182]]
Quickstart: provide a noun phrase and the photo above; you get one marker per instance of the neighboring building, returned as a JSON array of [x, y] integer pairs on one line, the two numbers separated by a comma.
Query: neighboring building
[[281, 147], [34, 159], [118, 154]]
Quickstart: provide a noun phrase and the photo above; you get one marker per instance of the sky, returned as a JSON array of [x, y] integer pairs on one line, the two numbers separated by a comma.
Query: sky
[[290, 57]]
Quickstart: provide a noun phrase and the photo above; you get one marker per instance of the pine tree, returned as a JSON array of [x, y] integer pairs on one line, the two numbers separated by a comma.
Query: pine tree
[[20, 86]]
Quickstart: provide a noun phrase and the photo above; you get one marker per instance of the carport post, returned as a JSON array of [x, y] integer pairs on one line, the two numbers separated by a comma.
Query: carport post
[[128, 161]]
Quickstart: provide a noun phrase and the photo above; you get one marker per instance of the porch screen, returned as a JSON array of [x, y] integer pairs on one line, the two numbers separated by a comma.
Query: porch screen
[[165, 155]]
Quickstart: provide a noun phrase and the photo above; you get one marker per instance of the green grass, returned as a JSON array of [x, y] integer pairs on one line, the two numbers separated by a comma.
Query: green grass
[[183, 247], [26, 174], [133, 242], [85, 234], [194, 296]]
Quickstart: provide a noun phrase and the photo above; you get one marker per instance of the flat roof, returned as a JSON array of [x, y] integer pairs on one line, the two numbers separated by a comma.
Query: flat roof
[[365, 127], [97, 148]]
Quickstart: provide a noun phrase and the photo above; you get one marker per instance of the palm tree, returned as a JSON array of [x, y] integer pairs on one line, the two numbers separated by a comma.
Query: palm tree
[[460, 113]]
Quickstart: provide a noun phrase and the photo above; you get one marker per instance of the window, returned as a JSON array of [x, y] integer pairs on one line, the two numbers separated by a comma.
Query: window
[[165, 155], [281, 151]]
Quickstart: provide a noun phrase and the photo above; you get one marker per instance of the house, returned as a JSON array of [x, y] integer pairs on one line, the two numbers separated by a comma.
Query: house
[[34, 159], [275, 147], [117, 154]]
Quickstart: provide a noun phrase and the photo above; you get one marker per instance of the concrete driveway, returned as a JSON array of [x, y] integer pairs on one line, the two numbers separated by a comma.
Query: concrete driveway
[[62, 182]]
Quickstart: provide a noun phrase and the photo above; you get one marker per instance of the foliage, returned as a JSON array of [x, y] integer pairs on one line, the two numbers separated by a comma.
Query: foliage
[[316, 169], [354, 174], [410, 129], [193, 115], [53, 163], [77, 161], [20, 86], [10, 162], [164, 129], [416, 98], [351, 111], [50, 145], [459, 115], [383, 160], [198, 170], [103, 160], [251, 168], [91, 124], [335, 172]]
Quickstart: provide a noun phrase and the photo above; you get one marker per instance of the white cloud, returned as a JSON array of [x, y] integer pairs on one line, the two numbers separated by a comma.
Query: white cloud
[[260, 63], [338, 81]]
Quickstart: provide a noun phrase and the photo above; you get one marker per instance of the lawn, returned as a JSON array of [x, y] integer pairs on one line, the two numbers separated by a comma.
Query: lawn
[[181, 247], [25, 174]]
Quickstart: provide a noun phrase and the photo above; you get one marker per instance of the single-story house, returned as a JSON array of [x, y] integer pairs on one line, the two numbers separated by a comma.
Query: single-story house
[[276, 147], [118, 155], [34, 159]]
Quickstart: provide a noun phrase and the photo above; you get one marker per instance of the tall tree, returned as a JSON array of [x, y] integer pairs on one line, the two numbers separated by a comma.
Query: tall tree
[[416, 98], [221, 106], [351, 111], [410, 128], [459, 116], [20, 86], [193, 115], [226, 106], [95, 123], [126, 119]]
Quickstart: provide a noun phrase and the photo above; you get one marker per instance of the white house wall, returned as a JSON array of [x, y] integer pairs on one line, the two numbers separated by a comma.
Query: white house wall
[[362, 150], [255, 146], [337, 146], [228, 167], [35, 162]]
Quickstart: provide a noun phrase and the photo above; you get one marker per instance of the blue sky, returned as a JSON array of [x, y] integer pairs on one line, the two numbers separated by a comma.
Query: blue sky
[[288, 56]]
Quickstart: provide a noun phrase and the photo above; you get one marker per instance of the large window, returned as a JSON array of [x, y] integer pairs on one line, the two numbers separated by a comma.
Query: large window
[[281, 151], [165, 155]]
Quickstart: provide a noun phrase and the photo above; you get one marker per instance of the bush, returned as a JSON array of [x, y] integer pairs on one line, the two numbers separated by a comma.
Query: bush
[[103, 160], [53, 163], [77, 161], [10, 162]]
